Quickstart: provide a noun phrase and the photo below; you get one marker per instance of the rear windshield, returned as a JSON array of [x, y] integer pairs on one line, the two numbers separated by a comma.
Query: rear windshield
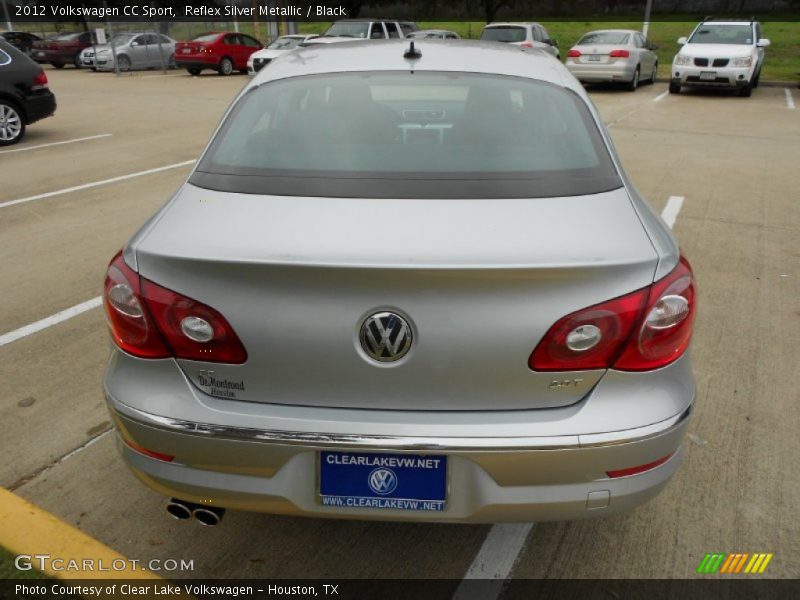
[[504, 34], [604, 37], [723, 34], [284, 43], [206, 37], [359, 29], [402, 135]]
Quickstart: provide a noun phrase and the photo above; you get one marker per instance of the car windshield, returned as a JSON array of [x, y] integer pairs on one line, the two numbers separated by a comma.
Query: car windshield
[[349, 29], [604, 37], [403, 135], [723, 34], [207, 37], [284, 43], [504, 34]]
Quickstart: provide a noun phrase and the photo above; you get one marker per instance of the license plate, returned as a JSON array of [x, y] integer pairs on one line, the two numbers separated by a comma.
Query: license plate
[[708, 75], [385, 481], [186, 51], [594, 58], [40, 54]]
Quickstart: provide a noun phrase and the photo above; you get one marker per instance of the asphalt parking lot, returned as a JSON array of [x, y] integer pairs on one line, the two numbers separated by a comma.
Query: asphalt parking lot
[[729, 163]]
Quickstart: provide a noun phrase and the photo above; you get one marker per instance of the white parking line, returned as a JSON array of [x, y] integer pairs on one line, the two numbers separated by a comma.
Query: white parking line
[[83, 139], [660, 97], [59, 317], [86, 186], [789, 99], [671, 210]]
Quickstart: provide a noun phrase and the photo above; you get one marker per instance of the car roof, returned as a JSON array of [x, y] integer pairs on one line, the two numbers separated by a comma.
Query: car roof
[[437, 55], [612, 31], [512, 23]]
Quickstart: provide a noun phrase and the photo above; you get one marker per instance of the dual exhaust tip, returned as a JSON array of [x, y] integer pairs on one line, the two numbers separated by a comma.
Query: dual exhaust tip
[[182, 510]]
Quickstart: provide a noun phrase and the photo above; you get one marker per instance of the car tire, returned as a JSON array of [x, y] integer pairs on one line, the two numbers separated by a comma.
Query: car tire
[[225, 66], [674, 88], [57, 65], [76, 61], [171, 62], [12, 123], [746, 91], [194, 72], [655, 73], [634, 83], [123, 63], [756, 80]]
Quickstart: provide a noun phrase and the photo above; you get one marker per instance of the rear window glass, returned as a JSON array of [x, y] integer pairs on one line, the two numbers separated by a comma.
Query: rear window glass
[[504, 34], [604, 37], [357, 29], [409, 135], [4, 58], [284, 43], [208, 37]]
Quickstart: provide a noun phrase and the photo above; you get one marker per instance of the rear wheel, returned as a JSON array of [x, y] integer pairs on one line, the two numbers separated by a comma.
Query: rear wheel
[[225, 66], [674, 88], [634, 83], [193, 71], [12, 125], [654, 74]]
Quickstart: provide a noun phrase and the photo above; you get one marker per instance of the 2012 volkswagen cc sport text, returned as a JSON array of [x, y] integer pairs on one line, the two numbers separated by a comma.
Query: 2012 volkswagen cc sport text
[[396, 288]]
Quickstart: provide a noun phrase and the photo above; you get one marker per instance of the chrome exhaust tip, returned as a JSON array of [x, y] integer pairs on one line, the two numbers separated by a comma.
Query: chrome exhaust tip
[[179, 509], [208, 515]]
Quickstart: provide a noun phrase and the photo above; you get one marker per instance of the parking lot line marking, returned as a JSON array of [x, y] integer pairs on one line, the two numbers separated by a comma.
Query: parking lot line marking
[[59, 317], [789, 99], [83, 139], [660, 97], [86, 186], [26, 529], [671, 210], [496, 558]]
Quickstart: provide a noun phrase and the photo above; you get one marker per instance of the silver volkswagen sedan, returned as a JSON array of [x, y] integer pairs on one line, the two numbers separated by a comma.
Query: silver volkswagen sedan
[[614, 55], [394, 287]]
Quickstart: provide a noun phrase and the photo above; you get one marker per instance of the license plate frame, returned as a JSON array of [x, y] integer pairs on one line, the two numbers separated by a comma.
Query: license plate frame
[[708, 75], [382, 481]]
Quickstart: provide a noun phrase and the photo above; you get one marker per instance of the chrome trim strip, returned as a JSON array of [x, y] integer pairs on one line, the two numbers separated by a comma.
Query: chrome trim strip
[[327, 440]]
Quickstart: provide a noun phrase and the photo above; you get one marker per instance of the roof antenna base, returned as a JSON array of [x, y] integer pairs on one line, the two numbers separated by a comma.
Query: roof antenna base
[[412, 53]]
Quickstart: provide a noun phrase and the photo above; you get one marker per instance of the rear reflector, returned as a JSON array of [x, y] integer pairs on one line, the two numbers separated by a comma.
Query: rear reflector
[[151, 453], [640, 468]]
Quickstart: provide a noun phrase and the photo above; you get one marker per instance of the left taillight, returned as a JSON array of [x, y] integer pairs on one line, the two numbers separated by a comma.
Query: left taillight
[[150, 321], [644, 330], [39, 82]]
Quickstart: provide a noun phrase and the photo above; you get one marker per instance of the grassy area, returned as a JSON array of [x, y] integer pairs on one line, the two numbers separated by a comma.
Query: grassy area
[[9, 571], [783, 57]]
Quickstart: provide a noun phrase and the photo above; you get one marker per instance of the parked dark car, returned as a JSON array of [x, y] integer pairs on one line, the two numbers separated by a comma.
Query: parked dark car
[[21, 39], [223, 52], [24, 94], [62, 49]]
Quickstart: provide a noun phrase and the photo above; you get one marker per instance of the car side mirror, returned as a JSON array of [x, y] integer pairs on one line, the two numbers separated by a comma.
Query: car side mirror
[[763, 43], [682, 41]]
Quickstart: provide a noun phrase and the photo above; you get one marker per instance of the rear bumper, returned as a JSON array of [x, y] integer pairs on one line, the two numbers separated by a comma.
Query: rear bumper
[[48, 56], [195, 63], [40, 106], [621, 71], [265, 458]]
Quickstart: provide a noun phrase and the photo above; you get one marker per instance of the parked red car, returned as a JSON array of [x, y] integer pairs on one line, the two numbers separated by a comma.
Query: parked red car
[[62, 49], [223, 52]]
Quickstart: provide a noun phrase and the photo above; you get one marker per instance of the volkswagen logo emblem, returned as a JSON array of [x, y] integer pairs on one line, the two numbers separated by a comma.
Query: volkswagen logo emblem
[[382, 481], [385, 336]]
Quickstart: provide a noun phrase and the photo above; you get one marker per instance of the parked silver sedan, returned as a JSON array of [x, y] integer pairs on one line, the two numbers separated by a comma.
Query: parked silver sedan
[[141, 50], [613, 55], [404, 283]]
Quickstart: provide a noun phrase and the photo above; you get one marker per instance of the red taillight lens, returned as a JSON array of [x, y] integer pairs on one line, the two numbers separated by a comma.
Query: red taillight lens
[[590, 338], [574, 53], [619, 54], [146, 452], [644, 330], [39, 82], [193, 330], [132, 328], [666, 328], [149, 321]]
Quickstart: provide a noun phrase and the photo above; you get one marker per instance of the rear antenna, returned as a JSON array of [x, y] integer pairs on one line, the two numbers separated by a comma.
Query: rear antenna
[[412, 53]]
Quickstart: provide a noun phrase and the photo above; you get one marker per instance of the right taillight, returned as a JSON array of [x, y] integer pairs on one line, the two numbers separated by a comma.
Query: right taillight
[[641, 331], [619, 54], [150, 321], [574, 53]]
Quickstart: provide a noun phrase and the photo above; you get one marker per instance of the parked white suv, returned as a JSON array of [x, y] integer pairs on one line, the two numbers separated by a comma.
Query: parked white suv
[[720, 54]]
